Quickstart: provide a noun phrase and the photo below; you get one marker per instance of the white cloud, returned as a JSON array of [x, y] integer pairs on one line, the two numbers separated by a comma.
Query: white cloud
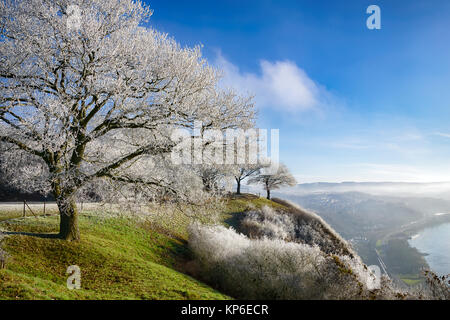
[[279, 85]]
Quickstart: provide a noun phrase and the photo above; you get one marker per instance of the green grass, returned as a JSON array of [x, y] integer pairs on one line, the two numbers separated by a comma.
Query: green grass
[[411, 279], [8, 215], [238, 204], [17, 212], [118, 260], [411, 282]]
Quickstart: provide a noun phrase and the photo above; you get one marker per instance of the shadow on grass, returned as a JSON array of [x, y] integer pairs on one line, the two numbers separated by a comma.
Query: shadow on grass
[[235, 220], [31, 234], [243, 196]]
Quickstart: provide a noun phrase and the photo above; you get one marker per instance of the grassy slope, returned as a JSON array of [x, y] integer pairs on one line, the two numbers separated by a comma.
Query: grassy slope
[[237, 205], [119, 259]]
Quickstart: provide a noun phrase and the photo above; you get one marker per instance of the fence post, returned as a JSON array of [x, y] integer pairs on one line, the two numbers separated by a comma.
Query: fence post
[[24, 212], [44, 207], [29, 208]]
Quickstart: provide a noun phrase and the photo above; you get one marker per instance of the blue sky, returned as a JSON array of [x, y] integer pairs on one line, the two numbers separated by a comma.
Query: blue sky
[[351, 104]]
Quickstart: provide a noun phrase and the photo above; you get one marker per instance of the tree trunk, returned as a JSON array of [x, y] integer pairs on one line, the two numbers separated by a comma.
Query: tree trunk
[[268, 194], [206, 184], [68, 224], [238, 191]]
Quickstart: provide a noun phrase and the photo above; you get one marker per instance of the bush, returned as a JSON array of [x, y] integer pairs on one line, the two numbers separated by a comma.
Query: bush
[[437, 287], [274, 269], [267, 223], [312, 229], [291, 254]]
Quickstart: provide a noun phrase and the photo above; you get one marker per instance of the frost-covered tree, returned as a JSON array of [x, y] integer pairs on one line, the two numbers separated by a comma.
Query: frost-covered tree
[[270, 181], [87, 92], [245, 172], [223, 154], [248, 168], [213, 178]]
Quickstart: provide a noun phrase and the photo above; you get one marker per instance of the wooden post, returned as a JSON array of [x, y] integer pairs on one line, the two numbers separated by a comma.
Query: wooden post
[[44, 207], [29, 208], [24, 212]]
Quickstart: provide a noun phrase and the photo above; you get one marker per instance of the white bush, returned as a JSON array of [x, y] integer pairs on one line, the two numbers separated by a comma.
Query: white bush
[[267, 223], [297, 225], [289, 254], [312, 229], [272, 268]]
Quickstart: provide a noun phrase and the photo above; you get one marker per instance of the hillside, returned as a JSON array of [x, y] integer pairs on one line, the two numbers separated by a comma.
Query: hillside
[[119, 259], [379, 226], [125, 257], [281, 251]]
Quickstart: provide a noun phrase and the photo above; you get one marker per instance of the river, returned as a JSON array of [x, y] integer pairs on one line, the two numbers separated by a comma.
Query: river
[[435, 241]]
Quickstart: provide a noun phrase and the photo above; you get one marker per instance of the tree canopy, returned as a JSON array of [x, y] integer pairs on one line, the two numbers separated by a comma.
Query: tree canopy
[[271, 181], [87, 92]]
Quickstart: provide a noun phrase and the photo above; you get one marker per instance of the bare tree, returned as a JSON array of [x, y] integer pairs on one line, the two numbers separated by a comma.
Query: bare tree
[[244, 173], [87, 93], [249, 157], [274, 181]]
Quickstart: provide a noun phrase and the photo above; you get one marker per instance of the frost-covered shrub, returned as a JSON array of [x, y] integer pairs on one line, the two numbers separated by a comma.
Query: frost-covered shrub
[[294, 224], [312, 229], [274, 269], [290, 253], [437, 287], [266, 222]]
